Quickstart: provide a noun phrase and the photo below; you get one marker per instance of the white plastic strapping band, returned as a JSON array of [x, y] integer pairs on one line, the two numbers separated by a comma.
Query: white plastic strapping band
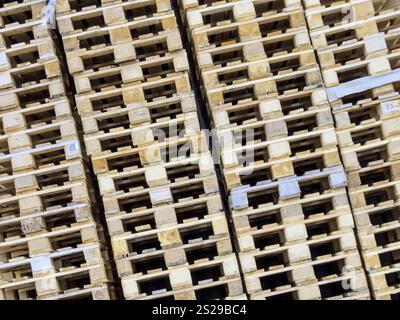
[[49, 16], [362, 84]]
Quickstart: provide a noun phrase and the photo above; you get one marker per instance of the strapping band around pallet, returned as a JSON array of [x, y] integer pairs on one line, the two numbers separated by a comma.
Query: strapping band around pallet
[[49, 15], [363, 84]]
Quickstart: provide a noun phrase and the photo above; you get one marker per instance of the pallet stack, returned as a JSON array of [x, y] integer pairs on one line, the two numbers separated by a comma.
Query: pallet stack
[[51, 246], [168, 229], [358, 47], [282, 168]]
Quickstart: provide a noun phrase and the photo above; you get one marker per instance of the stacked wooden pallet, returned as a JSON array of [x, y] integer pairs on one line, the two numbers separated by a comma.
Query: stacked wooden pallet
[[51, 246], [279, 153], [358, 46], [161, 197]]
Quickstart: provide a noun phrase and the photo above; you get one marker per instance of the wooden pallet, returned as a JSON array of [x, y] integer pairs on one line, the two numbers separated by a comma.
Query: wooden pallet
[[128, 32], [353, 51], [377, 93], [157, 68], [13, 224], [43, 243], [55, 198], [341, 74], [275, 157], [19, 13], [339, 13], [111, 15], [342, 33], [12, 121], [275, 45], [369, 143], [213, 227], [308, 4], [24, 97], [215, 14], [276, 228], [141, 93], [381, 193], [40, 157], [325, 289], [27, 33], [187, 282], [164, 152], [54, 273], [267, 193], [229, 116], [41, 179], [188, 5], [118, 114], [371, 219], [76, 6], [145, 137], [157, 175], [29, 75], [229, 289], [237, 72], [138, 50], [286, 82], [352, 114], [244, 31], [108, 104], [140, 197], [377, 230], [38, 136], [142, 219], [27, 54]]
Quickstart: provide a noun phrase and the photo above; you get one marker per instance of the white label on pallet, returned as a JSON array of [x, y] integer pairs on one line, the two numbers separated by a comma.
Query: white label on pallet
[[390, 106], [41, 264], [73, 147]]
